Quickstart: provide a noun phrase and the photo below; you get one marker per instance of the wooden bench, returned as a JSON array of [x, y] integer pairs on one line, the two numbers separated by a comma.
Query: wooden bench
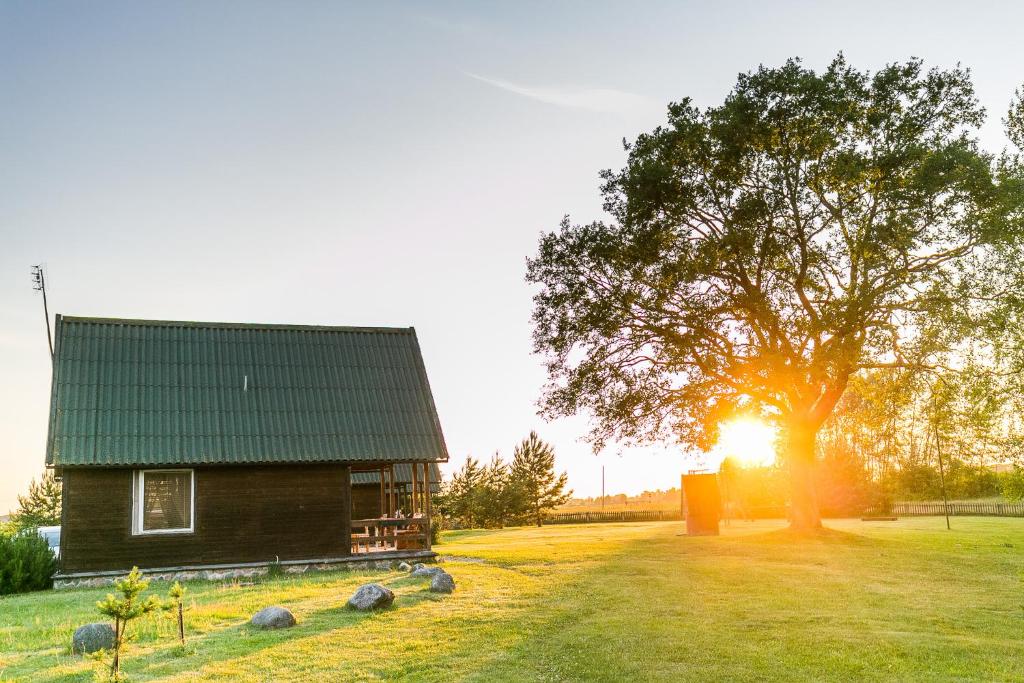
[[361, 542]]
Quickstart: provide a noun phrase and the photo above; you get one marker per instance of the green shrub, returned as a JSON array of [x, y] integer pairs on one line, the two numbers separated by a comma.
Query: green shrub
[[1012, 484], [436, 525], [26, 563]]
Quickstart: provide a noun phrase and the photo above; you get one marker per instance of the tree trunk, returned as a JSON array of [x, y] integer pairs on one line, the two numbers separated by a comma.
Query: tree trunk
[[115, 664], [181, 622], [804, 514]]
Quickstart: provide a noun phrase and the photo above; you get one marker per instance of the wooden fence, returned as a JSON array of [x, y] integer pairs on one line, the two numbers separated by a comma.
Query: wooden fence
[[910, 509], [901, 509], [621, 516]]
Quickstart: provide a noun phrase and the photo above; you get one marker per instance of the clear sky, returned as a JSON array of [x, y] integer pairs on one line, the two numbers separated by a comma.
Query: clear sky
[[373, 164]]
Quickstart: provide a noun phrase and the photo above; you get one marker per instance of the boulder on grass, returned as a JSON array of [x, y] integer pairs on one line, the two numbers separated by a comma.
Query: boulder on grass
[[371, 596], [442, 583], [273, 617], [404, 567], [422, 570], [92, 637]]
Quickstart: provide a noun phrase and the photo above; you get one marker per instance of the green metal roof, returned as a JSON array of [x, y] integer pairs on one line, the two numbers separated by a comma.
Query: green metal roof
[[403, 476], [145, 392]]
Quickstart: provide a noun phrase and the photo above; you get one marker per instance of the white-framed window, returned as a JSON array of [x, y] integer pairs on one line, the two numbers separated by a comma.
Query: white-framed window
[[163, 502]]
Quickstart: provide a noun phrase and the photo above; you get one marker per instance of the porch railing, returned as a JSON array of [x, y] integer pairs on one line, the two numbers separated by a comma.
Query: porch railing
[[384, 534]]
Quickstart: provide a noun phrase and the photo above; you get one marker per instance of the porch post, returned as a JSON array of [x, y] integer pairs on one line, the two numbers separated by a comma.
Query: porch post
[[426, 492], [413, 501], [391, 480]]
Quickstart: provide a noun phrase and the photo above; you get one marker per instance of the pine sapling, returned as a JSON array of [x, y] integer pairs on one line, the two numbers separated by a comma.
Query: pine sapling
[[177, 603], [123, 609]]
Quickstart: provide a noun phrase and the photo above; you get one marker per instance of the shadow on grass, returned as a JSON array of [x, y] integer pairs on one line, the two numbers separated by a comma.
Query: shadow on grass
[[784, 606], [546, 652], [462, 534], [823, 536]]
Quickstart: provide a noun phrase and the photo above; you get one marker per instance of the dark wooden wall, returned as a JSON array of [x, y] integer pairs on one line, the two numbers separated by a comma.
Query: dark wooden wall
[[365, 501], [242, 514]]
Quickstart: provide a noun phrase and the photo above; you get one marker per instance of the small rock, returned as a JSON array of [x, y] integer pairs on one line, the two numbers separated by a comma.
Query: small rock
[[442, 583], [371, 596], [273, 617], [426, 571], [404, 567], [92, 637]]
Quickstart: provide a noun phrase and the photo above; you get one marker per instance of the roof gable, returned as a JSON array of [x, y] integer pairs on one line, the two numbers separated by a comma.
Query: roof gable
[[137, 392]]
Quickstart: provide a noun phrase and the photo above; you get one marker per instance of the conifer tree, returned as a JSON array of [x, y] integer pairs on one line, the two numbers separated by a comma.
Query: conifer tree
[[494, 500], [534, 480], [460, 495], [41, 505]]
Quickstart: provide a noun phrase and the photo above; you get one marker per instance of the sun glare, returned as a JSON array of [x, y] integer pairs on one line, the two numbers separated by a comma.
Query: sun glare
[[749, 441]]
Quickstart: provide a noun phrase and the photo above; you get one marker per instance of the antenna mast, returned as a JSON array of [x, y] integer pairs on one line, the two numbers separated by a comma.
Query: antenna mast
[[39, 284]]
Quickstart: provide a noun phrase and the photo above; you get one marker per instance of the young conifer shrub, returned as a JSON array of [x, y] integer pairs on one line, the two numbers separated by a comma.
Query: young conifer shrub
[[123, 608], [177, 605]]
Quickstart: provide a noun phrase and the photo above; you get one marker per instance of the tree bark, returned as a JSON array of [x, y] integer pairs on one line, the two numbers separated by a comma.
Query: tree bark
[[181, 622], [804, 514], [115, 664]]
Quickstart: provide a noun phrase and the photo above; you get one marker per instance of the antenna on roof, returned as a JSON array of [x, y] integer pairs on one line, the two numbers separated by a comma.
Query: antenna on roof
[[39, 284]]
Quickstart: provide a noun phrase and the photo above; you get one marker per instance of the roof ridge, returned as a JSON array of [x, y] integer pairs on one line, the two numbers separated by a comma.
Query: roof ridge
[[141, 322]]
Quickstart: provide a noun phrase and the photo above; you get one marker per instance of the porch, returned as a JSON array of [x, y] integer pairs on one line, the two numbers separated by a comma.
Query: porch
[[404, 507]]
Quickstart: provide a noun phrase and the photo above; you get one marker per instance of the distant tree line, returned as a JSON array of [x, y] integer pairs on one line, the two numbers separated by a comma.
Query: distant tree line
[[499, 493], [658, 499], [884, 441]]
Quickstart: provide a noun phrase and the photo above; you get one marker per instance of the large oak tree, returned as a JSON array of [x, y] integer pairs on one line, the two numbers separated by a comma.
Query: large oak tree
[[761, 252]]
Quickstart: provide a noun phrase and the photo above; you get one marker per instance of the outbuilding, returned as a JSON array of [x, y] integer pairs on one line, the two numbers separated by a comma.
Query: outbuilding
[[207, 449]]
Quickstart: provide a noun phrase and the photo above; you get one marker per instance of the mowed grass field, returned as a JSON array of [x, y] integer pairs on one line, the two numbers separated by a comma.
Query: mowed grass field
[[905, 601]]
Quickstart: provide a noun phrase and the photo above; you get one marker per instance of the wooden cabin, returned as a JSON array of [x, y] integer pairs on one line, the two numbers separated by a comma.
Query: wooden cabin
[[186, 446]]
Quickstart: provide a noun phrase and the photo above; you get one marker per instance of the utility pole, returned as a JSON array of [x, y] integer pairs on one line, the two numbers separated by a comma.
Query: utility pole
[[39, 284], [602, 488], [942, 474]]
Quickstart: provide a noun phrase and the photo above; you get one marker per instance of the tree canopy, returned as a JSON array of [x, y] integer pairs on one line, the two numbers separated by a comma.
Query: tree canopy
[[762, 252]]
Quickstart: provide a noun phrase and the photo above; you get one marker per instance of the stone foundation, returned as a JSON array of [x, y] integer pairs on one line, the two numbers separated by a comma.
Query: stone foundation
[[246, 571]]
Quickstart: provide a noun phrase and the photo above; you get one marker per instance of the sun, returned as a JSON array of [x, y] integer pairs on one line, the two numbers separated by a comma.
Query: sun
[[747, 440]]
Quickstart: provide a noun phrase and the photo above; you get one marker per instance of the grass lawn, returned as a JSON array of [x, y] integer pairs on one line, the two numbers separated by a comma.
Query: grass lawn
[[611, 602]]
